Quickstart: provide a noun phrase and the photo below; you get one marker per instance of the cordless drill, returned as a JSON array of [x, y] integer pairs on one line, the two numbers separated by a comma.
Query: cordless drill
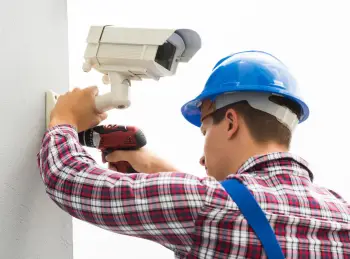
[[111, 137]]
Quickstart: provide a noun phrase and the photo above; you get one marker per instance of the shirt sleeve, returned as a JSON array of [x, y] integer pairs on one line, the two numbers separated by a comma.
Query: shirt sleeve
[[161, 207]]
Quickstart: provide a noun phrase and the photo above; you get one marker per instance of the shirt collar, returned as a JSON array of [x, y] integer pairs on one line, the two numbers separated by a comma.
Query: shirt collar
[[277, 160]]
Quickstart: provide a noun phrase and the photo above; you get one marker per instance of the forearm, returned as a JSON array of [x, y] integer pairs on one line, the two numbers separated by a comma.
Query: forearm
[[160, 165], [113, 200]]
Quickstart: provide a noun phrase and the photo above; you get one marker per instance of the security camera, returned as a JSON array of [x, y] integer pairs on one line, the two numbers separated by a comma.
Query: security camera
[[125, 54]]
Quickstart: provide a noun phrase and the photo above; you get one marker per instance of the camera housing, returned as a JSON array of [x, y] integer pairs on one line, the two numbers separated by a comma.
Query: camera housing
[[124, 54], [139, 53]]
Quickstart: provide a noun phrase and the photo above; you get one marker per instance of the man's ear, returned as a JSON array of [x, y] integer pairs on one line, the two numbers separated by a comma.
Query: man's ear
[[231, 121]]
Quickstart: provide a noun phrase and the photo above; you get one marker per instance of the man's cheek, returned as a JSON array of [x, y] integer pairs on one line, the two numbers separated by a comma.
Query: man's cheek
[[209, 150], [206, 147]]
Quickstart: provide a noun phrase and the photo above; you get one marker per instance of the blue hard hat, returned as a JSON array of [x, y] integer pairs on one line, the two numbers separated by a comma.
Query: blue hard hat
[[254, 71]]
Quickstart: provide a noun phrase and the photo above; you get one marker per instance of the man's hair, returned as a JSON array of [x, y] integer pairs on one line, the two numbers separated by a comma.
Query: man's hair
[[262, 126]]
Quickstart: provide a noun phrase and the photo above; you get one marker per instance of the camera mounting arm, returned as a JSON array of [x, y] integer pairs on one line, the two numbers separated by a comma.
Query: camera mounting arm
[[118, 97]]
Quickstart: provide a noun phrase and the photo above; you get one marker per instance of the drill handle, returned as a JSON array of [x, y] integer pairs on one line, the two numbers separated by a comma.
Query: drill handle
[[124, 167], [120, 166], [112, 137]]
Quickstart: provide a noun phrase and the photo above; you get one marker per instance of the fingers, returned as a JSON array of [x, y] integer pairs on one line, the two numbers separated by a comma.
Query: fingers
[[99, 118], [111, 167], [116, 156], [103, 116], [93, 90]]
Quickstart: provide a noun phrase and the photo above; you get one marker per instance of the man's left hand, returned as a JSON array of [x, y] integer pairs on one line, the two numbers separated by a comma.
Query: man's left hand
[[142, 160], [78, 109]]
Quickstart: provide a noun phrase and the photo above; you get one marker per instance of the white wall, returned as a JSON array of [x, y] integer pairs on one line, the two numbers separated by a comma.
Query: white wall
[[34, 58]]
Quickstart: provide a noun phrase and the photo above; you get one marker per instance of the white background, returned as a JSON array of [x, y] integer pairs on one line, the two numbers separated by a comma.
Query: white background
[[311, 37]]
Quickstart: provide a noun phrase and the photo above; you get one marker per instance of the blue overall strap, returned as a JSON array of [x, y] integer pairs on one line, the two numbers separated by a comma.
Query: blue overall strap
[[254, 216]]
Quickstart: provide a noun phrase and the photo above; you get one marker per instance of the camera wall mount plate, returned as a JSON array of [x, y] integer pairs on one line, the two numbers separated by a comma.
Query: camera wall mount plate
[[50, 102]]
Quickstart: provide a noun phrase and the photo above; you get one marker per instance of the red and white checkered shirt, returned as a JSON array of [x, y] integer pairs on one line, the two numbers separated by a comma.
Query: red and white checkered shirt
[[194, 216]]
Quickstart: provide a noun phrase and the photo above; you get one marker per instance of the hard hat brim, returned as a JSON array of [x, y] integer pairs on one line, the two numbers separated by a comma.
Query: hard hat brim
[[192, 113]]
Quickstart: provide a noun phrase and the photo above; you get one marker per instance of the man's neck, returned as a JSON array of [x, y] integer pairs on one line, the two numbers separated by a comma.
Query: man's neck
[[254, 150]]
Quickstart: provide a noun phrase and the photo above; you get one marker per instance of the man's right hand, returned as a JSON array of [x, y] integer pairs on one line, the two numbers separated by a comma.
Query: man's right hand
[[77, 108], [142, 160]]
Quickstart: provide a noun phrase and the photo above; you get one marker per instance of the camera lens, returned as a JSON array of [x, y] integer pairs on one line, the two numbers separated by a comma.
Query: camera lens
[[165, 55]]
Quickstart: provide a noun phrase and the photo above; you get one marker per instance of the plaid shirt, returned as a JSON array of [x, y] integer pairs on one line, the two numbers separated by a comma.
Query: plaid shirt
[[194, 216]]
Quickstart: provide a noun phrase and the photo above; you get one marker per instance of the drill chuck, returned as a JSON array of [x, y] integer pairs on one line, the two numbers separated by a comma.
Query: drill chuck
[[89, 138]]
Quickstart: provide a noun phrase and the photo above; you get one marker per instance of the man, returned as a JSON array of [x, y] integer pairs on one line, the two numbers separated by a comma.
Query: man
[[247, 112]]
